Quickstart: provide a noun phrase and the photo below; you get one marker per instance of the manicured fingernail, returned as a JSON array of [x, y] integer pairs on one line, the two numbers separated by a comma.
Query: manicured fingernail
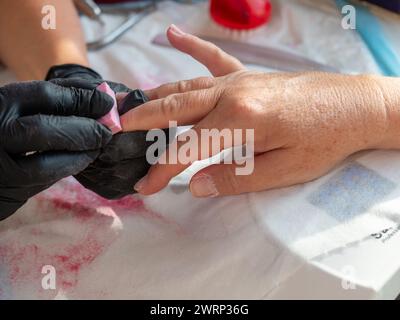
[[203, 186], [140, 184], [175, 30]]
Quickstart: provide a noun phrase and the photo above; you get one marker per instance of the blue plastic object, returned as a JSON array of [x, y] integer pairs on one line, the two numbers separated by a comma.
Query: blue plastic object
[[370, 30]]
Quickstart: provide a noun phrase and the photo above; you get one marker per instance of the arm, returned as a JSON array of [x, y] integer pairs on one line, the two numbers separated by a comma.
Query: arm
[[304, 123], [30, 50]]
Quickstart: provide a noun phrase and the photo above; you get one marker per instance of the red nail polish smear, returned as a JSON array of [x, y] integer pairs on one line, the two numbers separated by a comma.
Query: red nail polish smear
[[240, 14]]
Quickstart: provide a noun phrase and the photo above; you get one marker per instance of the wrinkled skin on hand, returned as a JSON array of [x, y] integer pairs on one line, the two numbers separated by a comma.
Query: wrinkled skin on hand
[[304, 123]]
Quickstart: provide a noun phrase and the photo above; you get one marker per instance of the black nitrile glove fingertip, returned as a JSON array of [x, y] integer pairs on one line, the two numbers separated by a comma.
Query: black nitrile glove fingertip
[[102, 103], [132, 100]]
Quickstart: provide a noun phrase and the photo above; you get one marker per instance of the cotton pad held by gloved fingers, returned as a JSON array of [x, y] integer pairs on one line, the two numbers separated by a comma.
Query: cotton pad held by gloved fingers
[[122, 162], [111, 119]]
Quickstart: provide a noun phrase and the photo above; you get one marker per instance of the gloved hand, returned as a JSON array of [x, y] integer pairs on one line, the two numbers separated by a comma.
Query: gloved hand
[[47, 132], [122, 162]]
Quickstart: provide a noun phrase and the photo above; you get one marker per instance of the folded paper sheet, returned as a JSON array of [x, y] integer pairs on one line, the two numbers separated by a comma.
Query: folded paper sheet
[[307, 241]]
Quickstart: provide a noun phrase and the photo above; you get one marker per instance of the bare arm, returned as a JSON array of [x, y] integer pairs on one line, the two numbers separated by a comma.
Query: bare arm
[[303, 124], [28, 49]]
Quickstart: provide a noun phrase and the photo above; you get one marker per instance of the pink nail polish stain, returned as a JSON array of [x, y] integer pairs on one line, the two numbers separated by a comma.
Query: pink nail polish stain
[[72, 228], [70, 195]]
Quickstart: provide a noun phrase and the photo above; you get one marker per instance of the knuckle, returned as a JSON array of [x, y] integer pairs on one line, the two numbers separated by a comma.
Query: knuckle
[[170, 106], [183, 86], [242, 106]]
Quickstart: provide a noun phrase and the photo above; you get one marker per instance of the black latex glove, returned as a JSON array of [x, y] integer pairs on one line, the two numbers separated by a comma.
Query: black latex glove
[[47, 132], [123, 161]]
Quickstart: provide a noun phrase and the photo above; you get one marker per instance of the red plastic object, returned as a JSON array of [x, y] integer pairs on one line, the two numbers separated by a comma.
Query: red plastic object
[[240, 14], [112, 1]]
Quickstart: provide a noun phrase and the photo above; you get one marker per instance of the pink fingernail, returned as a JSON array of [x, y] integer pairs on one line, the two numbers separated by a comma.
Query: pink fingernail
[[175, 30], [140, 184], [203, 186]]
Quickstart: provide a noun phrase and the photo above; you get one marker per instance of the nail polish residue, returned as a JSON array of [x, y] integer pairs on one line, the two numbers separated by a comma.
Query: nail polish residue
[[71, 228]]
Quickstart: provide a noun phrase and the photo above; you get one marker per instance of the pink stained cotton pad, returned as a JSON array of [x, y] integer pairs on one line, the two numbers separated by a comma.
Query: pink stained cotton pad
[[111, 119]]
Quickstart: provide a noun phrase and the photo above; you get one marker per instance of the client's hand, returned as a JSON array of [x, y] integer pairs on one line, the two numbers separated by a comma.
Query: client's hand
[[304, 123]]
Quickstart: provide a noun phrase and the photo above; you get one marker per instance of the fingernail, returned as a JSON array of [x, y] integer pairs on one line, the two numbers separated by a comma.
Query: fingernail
[[203, 186], [175, 30], [140, 184]]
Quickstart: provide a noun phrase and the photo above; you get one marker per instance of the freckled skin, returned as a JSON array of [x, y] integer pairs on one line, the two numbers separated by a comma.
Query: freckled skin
[[304, 123], [317, 118]]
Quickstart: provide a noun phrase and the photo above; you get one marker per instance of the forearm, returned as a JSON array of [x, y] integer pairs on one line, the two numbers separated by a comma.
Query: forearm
[[28, 49]]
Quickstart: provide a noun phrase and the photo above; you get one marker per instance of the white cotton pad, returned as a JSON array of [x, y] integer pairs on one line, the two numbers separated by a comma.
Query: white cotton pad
[[111, 119]]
